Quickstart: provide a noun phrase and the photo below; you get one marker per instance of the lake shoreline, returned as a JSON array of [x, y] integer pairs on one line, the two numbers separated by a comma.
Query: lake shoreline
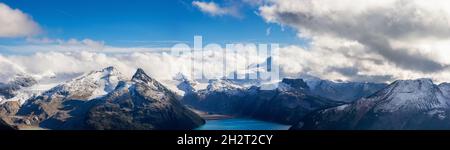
[[216, 121], [211, 116]]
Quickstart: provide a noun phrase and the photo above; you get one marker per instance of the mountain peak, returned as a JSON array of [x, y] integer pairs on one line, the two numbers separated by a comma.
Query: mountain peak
[[419, 94], [23, 80], [185, 84], [295, 83], [404, 104], [222, 85], [181, 77], [140, 75], [420, 80], [104, 73], [413, 85], [110, 68], [89, 86]]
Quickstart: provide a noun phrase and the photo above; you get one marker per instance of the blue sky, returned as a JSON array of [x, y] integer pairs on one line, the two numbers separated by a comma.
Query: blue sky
[[146, 23], [369, 40]]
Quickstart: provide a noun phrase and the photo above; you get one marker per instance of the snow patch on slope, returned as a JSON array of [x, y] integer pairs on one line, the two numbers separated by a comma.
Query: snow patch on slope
[[93, 85], [419, 94]]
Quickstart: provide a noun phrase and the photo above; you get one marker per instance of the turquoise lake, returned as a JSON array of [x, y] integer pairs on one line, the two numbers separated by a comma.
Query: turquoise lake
[[241, 124]]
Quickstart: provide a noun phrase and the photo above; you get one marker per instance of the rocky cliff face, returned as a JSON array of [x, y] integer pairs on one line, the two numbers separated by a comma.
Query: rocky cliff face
[[5, 126]]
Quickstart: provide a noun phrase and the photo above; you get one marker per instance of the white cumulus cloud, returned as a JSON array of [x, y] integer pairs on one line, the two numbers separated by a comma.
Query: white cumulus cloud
[[393, 38], [213, 9], [15, 23]]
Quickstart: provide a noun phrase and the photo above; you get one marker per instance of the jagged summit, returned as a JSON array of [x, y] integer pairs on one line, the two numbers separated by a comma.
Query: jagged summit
[[146, 105], [186, 85], [110, 68], [141, 76], [293, 84]]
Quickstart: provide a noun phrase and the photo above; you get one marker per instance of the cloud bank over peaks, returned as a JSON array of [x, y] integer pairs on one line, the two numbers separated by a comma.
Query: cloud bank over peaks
[[160, 65], [402, 32], [327, 58]]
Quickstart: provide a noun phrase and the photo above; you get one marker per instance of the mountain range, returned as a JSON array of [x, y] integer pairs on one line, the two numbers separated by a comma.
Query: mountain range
[[403, 105], [103, 100], [107, 100], [287, 104]]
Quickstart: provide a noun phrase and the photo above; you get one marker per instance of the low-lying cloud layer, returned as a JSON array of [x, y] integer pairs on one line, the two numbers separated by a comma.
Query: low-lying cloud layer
[[160, 65], [326, 58]]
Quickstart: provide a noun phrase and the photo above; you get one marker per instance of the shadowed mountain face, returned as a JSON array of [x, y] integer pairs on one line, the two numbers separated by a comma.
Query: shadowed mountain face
[[104, 100], [406, 104], [5, 126], [286, 104]]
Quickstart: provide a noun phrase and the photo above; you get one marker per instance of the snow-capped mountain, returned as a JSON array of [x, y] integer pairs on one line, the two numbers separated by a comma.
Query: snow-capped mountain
[[223, 86], [106, 100], [404, 104], [58, 102], [186, 85], [219, 96], [189, 86], [88, 86], [142, 103], [22, 87], [342, 91], [19, 88]]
